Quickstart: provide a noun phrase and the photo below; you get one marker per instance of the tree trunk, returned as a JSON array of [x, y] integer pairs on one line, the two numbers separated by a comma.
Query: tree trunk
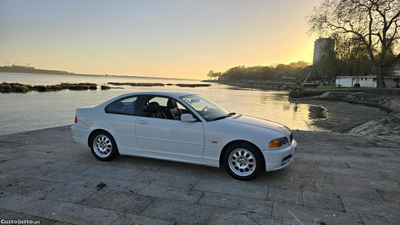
[[380, 75]]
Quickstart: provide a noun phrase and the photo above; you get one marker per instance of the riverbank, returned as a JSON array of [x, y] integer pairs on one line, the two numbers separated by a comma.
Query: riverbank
[[384, 99], [262, 85], [334, 179], [341, 117], [51, 72]]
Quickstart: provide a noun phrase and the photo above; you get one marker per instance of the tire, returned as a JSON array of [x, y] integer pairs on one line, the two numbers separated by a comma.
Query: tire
[[103, 146], [243, 161]]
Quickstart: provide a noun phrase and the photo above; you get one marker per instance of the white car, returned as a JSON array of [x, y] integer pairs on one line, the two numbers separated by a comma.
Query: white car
[[184, 127]]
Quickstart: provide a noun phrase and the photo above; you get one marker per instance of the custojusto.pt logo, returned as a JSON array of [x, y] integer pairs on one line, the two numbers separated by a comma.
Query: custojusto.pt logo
[[19, 221]]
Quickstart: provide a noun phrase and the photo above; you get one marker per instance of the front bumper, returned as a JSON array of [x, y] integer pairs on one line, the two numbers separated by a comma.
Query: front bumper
[[278, 159]]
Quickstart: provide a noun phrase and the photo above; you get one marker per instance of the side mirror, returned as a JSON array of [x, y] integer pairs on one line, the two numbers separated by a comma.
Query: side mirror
[[187, 117]]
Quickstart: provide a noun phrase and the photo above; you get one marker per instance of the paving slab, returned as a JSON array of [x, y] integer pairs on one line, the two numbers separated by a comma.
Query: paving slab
[[285, 195], [372, 183], [23, 185], [226, 216], [357, 192], [178, 211], [80, 214], [140, 220], [174, 193], [186, 169], [311, 214], [167, 179], [27, 205], [121, 185], [117, 201], [112, 172], [372, 207], [286, 221], [323, 201], [237, 203], [374, 220], [390, 196], [232, 187], [350, 172], [64, 192]]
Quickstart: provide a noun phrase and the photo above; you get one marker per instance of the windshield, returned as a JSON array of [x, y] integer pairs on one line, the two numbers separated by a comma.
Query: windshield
[[206, 108]]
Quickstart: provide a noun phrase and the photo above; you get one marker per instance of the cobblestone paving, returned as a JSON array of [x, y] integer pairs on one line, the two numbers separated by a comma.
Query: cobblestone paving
[[334, 179]]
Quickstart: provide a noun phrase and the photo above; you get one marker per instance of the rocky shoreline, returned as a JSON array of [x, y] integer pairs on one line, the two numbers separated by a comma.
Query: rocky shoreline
[[387, 100]]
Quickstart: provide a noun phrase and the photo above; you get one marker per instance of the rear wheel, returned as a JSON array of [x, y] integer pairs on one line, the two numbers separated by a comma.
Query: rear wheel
[[243, 161], [103, 146]]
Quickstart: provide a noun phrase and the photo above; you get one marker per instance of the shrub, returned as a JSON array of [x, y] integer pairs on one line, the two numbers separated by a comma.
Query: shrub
[[21, 88], [4, 87], [105, 87], [41, 88]]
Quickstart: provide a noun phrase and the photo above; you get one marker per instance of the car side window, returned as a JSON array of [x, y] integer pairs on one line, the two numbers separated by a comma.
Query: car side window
[[162, 101], [125, 106]]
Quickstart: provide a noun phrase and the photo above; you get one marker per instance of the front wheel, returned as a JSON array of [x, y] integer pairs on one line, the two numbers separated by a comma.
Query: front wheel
[[243, 161], [104, 147]]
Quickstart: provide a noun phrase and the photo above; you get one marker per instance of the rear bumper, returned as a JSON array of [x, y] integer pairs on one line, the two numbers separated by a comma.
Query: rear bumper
[[278, 159], [80, 134]]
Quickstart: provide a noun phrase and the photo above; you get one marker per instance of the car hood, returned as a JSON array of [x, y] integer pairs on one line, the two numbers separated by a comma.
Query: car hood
[[262, 123]]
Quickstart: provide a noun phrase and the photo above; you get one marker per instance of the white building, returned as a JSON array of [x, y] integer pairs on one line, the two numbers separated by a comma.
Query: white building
[[365, 81], [350, 81]]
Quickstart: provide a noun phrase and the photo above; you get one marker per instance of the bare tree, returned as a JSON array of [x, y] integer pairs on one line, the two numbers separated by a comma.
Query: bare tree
[[210, 74], [373, 24]]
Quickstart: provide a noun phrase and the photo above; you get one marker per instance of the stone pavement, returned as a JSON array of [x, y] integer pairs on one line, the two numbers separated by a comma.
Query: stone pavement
[[335, 179]]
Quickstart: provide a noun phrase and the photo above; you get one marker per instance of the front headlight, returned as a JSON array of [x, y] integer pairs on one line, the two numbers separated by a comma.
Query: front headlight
[[277, 143]]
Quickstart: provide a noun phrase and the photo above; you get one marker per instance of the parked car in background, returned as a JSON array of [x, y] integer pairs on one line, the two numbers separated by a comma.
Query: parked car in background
[[184, 127]]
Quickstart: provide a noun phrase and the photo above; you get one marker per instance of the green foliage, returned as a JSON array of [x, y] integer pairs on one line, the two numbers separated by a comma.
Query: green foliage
[[5, 88], [21, 88], [212, 75], [295, 70]]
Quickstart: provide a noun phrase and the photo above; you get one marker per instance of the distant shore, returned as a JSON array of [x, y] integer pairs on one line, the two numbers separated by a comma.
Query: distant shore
[[96, 75]]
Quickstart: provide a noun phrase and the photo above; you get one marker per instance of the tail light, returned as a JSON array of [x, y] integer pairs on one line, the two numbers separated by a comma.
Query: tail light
[[76, 118]]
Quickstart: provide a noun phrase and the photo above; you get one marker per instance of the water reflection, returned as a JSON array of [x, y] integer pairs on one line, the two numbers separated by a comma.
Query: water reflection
[[60, 106]]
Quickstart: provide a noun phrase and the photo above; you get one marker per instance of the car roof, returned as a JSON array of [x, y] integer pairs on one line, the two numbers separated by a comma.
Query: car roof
[[175, 94]]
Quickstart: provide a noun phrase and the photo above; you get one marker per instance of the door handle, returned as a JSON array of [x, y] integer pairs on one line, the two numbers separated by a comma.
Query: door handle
[[142, 122]]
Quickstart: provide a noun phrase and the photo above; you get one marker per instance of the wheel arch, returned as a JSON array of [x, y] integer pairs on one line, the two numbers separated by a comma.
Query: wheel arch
[[221, 160], [96, 131]]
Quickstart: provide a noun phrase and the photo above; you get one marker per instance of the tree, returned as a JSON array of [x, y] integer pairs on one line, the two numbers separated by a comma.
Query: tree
[[372, 24], [210, 74]]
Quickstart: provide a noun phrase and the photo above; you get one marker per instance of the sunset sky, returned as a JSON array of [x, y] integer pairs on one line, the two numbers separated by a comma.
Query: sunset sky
[[165, 38]]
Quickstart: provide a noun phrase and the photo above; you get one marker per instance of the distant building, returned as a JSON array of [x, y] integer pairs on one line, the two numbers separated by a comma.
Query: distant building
[[396, 70], [365, 81], [288, 78], [350, 81], [322, 46]]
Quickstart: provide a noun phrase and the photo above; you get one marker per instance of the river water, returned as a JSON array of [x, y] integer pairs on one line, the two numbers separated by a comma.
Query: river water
[[35, 110]]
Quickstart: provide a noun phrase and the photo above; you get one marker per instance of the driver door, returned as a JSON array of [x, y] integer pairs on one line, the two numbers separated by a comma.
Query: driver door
[[167, 137]]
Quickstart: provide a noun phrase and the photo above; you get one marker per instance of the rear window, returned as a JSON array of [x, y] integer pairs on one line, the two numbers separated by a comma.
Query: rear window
[[125, 106]]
